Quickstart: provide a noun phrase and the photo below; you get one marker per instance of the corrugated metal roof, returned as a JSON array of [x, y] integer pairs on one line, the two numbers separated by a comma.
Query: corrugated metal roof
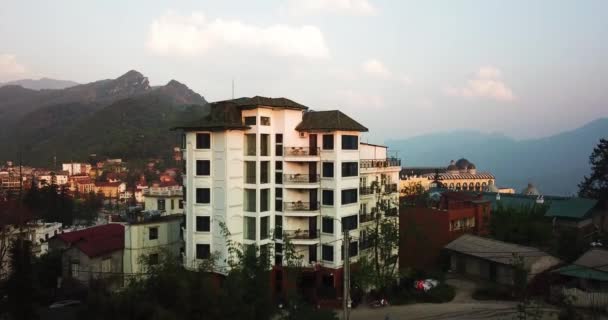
[[494, 250], [591, 265], [571, 208]]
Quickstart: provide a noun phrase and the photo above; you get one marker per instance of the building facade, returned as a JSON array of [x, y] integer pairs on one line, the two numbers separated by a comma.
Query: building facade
[[269, 170], [166, 198]]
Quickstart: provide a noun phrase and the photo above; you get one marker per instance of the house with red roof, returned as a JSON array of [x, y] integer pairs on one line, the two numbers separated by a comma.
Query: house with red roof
[[92, 254]]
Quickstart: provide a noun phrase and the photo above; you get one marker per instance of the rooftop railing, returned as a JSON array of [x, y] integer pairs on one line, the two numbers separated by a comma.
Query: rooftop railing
[[379, 163]]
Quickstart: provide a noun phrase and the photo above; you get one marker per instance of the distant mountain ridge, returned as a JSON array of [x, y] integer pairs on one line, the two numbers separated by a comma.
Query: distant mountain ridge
[[98, 117], [556, 164], [41, 84]]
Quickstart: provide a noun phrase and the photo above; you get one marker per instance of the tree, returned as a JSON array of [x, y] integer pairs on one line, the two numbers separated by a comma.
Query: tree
[[20, 285], [595, 185], [13, 215]]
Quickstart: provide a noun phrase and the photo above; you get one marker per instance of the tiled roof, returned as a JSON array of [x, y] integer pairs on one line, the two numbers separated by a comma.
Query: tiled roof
[[258, 101], [571, 208], [98, 240], [329, 120], [494, 250], [459, 176]]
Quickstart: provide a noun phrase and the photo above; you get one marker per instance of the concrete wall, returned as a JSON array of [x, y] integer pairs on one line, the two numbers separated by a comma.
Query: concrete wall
[[91, 268]]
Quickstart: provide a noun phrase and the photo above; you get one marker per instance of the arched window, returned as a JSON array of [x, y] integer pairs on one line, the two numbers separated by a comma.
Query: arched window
[[477, 187], [464, 186], [471, 186], [452, 186], [483, 186], [458, 186]]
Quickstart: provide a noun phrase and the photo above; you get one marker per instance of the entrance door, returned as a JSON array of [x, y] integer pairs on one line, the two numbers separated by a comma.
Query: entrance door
[[312, 144]]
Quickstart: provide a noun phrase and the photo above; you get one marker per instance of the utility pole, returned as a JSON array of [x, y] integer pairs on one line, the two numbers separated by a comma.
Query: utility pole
[[346, 274]]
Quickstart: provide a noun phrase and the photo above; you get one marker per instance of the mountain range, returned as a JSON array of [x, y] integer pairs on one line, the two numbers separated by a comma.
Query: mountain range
[[123, 117], [41, 84], [555, 164]]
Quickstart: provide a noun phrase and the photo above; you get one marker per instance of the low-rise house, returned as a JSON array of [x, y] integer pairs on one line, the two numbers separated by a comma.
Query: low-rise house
[[49, 177], [589, 272], [427, 227], [82, 184], [91, 254], [581, 214], [110, 189], [151, 235], [495, 260], [164, 197], [75, 168]]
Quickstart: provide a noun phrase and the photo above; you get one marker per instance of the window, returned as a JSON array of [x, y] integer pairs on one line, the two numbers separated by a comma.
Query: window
[[265, 121], [349, 169], [350, 142], [250, 172], [250, 121], [278, 178], [160, 204], [278, 258], [278, 229], [264, 200], [203, 224], [172, 204], [203, 251], [264, 144], [264, 228], [203, 167], [328, 197], [328, 225], [106, 265], [152, 258], [250, 144], [353, 249], [249, 201], [278, 205], [249, 228], [278, 193], [349, 223], [328, 169], [203, 140], [278, 165], [75, 269], [327, 253], [349, 196], [180, 204], [279, 145], [328, 142], [153, 233], [264, 171], [203, 195], [183, 141]]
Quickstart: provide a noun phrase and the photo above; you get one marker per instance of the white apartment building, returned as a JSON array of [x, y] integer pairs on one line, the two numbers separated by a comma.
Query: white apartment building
[[270, 169], [76, 168], [167, 199]]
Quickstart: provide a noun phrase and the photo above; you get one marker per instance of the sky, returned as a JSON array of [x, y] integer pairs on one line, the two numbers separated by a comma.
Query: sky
[[527, 69]]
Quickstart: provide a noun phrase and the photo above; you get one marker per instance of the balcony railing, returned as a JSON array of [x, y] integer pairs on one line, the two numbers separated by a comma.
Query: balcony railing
[[390, 188], [300, 151], [365, 218], [381, 163], [365, 190], [152, 192], [301, 234], [300, 206], [392, 212], [300, 178]]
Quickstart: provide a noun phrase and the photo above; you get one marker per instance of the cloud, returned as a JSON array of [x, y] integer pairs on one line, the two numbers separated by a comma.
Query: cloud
[[194, 34], [486, 83], [10, 67], [344, 7], [376, 68]]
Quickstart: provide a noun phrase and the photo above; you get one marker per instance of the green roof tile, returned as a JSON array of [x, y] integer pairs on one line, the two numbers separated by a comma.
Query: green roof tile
[[576, 208]]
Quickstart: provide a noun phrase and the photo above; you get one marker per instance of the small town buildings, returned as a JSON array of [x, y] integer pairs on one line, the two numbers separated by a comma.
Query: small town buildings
[[461, 175], [110, 190], [496, 261], [584, 215], [589, 272], [427, 227], [164, 197], [76, 168], [60, 178], [92, 254], [82, 184], [154, 236]]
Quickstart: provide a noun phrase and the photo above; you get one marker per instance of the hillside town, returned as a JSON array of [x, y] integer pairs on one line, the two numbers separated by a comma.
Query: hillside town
[[361, 227]]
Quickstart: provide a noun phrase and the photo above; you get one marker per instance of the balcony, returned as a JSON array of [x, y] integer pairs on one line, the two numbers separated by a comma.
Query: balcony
[[301, 179], [300, 152], [380, 163], [301, 234], [300, 206], [365, 217], [364, 191], [163, 192], [392, 212], [391, 188]]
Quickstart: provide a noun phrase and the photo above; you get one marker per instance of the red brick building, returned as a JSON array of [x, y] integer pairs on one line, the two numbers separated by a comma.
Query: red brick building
[[426, 228]]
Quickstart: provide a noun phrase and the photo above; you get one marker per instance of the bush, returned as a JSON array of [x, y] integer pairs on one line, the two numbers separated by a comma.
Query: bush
[[408, 294]]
